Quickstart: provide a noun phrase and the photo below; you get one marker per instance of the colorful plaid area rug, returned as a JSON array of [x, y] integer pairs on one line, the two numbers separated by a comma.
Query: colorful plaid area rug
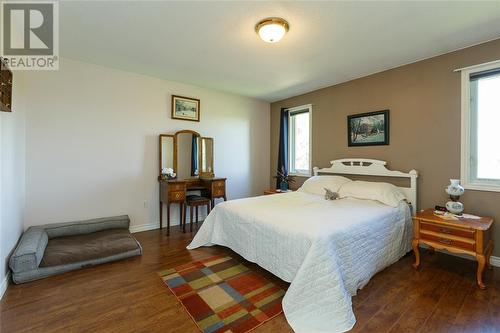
[[222, 295]]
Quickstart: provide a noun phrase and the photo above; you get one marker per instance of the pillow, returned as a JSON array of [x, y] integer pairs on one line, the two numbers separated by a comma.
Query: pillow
[[317, 184], [383, 192]]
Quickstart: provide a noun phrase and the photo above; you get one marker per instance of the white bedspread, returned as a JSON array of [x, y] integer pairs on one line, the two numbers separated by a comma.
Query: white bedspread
[[326, 249]]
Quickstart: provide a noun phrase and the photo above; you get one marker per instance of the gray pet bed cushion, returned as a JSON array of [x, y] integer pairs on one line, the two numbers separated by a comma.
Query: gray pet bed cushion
[[101, 244], [56, 248]]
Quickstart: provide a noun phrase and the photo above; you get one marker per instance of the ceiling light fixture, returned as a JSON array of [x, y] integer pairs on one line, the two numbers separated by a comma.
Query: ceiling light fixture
[[272, 29]]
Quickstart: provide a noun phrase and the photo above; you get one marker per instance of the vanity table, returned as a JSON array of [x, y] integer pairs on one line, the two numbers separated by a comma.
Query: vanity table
[[191, 157]]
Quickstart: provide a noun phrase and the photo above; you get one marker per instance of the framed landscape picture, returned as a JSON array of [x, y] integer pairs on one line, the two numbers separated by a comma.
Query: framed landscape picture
[[368, 129], [185, 108]]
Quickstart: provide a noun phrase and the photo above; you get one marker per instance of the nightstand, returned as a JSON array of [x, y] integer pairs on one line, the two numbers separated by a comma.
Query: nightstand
[[464, 235]]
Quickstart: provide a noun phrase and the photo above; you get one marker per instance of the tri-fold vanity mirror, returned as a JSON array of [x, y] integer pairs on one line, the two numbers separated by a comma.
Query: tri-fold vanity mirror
[[186, 168], [187, 153]]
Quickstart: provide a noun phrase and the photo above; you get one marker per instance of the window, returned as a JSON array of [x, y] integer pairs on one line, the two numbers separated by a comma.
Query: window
[[299, 137], [480, 127]]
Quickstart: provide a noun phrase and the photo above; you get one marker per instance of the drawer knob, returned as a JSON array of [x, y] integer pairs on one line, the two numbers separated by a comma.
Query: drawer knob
[[445, 241], [446, 231]]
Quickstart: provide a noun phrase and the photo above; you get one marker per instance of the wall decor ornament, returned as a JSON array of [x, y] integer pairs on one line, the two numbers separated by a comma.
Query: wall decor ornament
[[368, 129], [185, 108], [5, 87]]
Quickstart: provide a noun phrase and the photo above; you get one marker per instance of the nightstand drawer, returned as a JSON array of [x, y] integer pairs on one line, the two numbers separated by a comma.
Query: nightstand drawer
[[444, 230], [446, 241]]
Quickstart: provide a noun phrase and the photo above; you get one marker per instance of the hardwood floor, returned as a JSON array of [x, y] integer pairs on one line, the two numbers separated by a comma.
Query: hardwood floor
[[128, 296]]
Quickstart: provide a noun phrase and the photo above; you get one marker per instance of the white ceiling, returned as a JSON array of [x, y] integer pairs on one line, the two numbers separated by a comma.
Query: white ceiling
[[213, 44]]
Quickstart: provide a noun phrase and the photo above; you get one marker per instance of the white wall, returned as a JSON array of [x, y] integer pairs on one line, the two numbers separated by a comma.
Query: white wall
[[92, 142], [12, 176]]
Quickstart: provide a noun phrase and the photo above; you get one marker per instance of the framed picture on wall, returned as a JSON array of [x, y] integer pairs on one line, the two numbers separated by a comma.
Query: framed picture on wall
[[368, 129], [185, 108]]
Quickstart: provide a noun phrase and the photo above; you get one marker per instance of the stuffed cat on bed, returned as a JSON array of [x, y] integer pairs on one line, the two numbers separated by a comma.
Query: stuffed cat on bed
[[330, 195]]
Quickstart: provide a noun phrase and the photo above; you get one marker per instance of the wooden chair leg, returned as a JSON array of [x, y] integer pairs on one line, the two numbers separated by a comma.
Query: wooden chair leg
[[183, 220], [191, 218], [168, 219], [196, 214], [161, 215]]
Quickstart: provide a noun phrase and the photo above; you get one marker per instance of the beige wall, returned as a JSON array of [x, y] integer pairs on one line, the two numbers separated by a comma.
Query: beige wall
[[424, 103], [92, 142]]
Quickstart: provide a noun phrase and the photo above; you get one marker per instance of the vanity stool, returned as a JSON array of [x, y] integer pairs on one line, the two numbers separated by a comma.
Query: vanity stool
[[194, 201]]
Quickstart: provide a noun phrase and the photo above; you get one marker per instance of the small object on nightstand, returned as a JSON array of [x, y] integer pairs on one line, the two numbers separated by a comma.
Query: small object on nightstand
[[440, 208], [284, 179], [446, 215], [467, 234], [455, 190], [273, 191]]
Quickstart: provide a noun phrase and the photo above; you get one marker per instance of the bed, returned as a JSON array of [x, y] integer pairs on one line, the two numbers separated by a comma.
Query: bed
[[326, 249]]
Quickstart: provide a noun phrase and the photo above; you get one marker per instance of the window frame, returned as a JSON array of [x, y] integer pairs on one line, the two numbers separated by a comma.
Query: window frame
[[292, 111], [467, 164]]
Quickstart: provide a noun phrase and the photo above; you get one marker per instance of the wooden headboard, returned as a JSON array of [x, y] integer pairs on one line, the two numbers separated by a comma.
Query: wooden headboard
[[368, 167]]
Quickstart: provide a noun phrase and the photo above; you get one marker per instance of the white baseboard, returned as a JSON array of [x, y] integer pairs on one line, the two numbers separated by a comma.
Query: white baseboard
[[144, 227], [494, 261], [156, 225], [4, 284]]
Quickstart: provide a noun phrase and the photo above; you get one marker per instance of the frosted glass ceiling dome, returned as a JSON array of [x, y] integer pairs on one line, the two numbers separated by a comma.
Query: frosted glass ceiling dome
[[272, 29]]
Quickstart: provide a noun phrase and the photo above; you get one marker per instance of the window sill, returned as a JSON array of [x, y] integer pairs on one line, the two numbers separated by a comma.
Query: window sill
[[304, 175], [482, 187]]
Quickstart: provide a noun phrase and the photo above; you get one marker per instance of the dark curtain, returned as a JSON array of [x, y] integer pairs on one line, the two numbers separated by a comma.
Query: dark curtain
[[194, 155], [283, 144]]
